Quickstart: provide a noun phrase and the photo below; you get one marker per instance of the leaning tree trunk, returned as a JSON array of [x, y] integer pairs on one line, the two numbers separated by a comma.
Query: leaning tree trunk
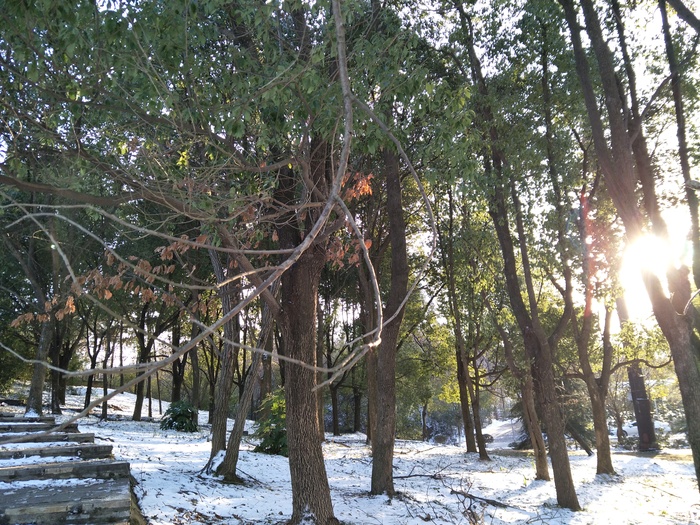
[[532, 423], [228, 466], [531, 420], [224, 382]]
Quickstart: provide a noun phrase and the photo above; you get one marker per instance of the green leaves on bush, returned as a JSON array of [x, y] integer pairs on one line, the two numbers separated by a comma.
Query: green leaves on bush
[[180, 416], [272, 431]]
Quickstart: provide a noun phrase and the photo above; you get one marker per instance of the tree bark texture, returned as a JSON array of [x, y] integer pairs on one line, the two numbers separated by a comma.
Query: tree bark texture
[[310, 489], [36, 387], [311, 499], [385, 424], [228, 466], [224, 382]]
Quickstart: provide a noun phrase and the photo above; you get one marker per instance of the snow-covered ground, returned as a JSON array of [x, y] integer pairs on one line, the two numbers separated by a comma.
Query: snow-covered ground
[[433, 481]]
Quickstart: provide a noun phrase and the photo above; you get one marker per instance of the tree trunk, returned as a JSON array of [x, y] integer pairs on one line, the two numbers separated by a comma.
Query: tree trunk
[[105, 377], [385, 424], [334, 410], [144, 351], [532, 424], [311, 499], [424, 421], [320, 357], [56, 379], [531, 420], [266, 383], [464, 404], [638, 393], [90, 379], [357, 405], [576, 435], [195, 395], [224, 383], [310, 489], [179, 366], [149, 394], [537, 349], [642, 409], [228, 466], [371, 363], [35, 398], [367, 315], [473, 387], [463, 377]]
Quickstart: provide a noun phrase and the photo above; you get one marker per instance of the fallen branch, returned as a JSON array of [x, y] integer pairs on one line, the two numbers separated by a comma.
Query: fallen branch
[[488, 501], [431, 476], [660, 490]]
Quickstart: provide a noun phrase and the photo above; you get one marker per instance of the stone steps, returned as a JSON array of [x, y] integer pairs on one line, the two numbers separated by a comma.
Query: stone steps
[[24, 426], [53, 437], [60, 478], [79, 450], [88, 502], [94, 469]]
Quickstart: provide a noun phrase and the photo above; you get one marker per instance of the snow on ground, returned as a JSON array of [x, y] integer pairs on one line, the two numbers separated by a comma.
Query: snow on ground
[[433, 481]]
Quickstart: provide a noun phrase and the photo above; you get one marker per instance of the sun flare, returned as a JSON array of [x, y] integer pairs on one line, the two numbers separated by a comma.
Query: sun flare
[[654, 254]]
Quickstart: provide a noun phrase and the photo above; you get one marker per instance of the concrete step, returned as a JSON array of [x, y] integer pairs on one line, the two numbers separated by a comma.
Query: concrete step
[[79, 502], [96, 469], [79, 450]]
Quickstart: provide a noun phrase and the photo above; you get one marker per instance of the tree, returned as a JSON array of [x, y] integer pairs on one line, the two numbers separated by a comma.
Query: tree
[[157, 106], [465, 243], [539, 346], [618, 159]]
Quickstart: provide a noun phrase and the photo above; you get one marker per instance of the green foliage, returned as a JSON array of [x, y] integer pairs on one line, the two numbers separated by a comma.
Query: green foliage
[[426, 374], [180, 416], [272, 431]]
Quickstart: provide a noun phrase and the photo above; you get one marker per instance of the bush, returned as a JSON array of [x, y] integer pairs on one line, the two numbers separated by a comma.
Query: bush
[[272, 432], [180, 416]]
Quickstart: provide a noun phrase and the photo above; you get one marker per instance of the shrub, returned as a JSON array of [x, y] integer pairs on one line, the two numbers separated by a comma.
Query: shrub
[[272, 431], [180, 416]]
